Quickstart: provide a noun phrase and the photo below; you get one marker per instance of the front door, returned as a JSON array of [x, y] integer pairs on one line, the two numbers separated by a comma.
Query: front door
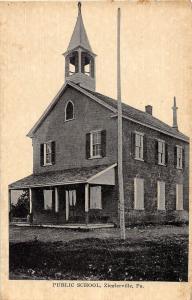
[[70, 202]]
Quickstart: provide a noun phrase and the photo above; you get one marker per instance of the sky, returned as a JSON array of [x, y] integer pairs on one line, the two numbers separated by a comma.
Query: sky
[[156, 64]]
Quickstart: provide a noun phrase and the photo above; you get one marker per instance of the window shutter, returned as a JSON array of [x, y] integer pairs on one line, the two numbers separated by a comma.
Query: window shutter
[[138, 193], [166, 154], [175, 157], [133, 144], [145, 147], [161, 195], [103, 143], [183, 158], [179, 196], [87, 150], [156, 152], [95, 197], [53, 153], [53, 200], [41, 154]]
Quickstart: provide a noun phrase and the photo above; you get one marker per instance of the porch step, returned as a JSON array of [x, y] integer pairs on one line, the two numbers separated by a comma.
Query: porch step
[[67, 226]]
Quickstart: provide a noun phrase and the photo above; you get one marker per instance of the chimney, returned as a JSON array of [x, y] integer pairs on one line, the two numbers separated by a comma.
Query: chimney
[[148, 109], [174, 108]]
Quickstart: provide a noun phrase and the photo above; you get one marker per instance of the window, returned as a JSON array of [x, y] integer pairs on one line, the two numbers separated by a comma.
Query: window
[[161, 152], [71, 197], [179, 197], [160, 195], [138, 193], [96, 144], [47, 153], [48, 199], [139, 146], [69, 111], [179, 155], [87, 64], [95, 197], [72, 64]]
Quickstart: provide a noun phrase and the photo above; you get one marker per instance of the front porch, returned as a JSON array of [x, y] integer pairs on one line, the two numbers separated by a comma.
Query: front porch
[[69, 226], [88, 204]]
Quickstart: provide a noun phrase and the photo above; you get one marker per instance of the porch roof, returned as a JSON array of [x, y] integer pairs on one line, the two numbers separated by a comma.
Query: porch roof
[[69, 176]]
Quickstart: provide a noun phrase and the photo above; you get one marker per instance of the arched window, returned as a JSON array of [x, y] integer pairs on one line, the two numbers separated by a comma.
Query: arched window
[[69, 111]]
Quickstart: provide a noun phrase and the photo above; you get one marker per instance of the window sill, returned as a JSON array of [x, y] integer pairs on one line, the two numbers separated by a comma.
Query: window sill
[[164, 165], [45, 165], [137, 158], [69, 120], [93, 157], [179, 168]]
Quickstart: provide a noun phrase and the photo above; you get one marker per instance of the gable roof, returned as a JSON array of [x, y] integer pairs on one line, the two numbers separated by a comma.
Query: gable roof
[[141, 117], [129, 112]]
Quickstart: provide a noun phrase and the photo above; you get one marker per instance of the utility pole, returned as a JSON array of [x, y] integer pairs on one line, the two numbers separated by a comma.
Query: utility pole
[[120, 148]]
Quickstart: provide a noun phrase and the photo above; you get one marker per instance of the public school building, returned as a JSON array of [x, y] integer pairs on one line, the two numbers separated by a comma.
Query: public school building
[[74, 178]]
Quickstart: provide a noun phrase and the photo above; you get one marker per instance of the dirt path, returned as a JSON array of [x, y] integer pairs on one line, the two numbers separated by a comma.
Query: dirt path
[[151, 233]]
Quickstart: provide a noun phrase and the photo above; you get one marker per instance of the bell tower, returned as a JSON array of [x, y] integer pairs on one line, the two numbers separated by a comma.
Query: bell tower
[[79, 57]]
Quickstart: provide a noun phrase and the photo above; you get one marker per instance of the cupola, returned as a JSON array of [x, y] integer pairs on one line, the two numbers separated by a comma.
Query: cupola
[[79, 57]]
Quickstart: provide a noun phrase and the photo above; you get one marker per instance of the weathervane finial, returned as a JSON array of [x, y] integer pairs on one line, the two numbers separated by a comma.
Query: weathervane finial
[[79, 6]]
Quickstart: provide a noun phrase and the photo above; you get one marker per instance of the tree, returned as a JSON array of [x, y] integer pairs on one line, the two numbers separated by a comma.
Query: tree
[[21, 208]]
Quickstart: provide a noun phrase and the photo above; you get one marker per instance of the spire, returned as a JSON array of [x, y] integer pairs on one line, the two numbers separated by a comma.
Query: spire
[[79, 36], [174, 108], [79, 58]]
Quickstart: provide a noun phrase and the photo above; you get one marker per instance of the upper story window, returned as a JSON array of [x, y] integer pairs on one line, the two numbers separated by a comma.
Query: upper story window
[[179, 157], [47, 153], [161, 152], [139, 145], [95, 149], [96, 144], [69, 111]]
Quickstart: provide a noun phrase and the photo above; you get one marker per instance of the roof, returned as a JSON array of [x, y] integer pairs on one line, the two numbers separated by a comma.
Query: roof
[[64, 177], [143, 117], [79, 36], [129, 112]]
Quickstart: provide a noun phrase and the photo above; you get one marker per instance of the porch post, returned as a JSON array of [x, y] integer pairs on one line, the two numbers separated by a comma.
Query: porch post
[[87, 203], [30, 206], [56, 200], [10, 216]]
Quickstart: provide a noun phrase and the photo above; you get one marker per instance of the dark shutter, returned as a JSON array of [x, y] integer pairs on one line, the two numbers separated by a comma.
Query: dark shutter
[[156, 152], [133, 144], [53, 152], [41, 154], [145, 147], [103, 143], [183, 158], [87, 146], [175, 157], [166, 154], [53, 200]]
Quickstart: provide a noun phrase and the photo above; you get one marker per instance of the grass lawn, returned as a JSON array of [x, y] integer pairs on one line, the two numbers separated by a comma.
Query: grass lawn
[[158, 253]]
